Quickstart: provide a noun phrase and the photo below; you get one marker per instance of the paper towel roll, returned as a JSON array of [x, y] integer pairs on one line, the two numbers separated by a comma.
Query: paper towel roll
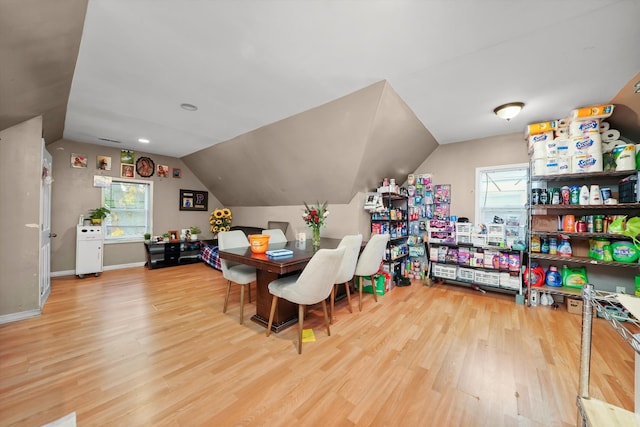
[[607, 146], [562, 132], [637, 156], [594, 111], [624, 157], [604, 126], [610, 135], [564, 164], [581, 127], [551, 148], [591, 162], [563, 123], [539, 167], [586, 144], [551, 166], [538, 144]]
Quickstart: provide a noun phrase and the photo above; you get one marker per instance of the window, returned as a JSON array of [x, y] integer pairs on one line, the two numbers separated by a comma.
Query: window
[[501, 191], [131, 209]]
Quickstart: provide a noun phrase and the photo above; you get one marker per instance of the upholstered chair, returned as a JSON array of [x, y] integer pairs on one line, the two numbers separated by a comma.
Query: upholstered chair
[[277, 235], [352, 245], [240, 274], [369, 262], [313, 285]]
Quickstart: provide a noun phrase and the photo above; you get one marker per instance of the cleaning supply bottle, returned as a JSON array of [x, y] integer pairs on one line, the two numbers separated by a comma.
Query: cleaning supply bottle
[[564, 247], [534, 275], [553, 277]]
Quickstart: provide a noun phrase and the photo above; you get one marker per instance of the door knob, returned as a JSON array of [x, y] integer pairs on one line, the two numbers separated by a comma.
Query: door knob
[[53, 235]]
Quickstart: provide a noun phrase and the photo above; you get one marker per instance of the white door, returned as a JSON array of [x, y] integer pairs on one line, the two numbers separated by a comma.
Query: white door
[[45, 226]]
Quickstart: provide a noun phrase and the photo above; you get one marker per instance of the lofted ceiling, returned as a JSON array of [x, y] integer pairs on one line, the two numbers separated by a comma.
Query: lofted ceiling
[[248, 65]]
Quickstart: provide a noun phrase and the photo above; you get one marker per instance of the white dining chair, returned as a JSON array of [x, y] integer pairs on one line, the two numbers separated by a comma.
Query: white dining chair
[[240, 274], [369, 262], [352, 245], [277, 235], [313, 285]]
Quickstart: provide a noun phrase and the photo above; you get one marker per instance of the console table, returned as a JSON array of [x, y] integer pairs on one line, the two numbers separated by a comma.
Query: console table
[[166, 254]]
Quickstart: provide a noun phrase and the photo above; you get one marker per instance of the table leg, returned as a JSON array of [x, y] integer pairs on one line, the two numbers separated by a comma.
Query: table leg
[[286, 314]]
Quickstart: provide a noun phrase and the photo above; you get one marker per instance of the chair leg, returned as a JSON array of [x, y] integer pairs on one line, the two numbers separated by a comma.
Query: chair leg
[[347, 287], [360, 287], [274, 304], [301, 322], [249, 285], [242, 304], [226, 298], [326, 318], [333, 303], [373, 288]]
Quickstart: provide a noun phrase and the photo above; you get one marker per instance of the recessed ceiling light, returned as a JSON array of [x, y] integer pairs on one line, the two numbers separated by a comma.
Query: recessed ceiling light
[[508, 111], [188, 107], [143, 140]]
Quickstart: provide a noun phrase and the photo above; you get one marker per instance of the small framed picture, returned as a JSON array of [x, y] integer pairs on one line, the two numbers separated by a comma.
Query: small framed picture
[[103, 163], [163, 171], [126, 170], [78, 160], [127, 156], [174, 236], [192, 200], [177, 173]]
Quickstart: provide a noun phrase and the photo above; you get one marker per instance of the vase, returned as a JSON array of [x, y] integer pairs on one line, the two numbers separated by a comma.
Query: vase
[[315, 238]]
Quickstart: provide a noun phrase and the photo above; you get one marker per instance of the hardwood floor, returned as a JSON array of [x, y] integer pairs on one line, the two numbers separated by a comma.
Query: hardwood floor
[[152, 347]]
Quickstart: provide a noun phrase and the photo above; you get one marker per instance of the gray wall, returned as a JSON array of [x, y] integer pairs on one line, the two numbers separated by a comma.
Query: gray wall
[[73, 194], [20, 172]]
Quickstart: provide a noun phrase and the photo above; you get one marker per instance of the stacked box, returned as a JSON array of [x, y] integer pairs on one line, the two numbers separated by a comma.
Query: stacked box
[[496, 235], [479, 240], [466, 274]]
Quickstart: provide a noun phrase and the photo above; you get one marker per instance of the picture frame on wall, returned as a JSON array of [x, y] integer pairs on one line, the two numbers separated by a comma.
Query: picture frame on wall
[[177, 173], [126, 170], [78, 160], [193, 200]]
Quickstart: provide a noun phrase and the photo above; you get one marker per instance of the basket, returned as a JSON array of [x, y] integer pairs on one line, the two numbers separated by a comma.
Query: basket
[[444, 271], [259, 243]]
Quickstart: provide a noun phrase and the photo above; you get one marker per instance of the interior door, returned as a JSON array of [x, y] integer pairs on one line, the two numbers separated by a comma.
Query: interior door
[[45, 226]]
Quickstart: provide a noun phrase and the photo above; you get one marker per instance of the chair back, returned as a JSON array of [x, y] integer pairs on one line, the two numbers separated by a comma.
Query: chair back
[[372, 255], [352, 246], [282, 225], [317, 279], [277, 235], [228, 240]]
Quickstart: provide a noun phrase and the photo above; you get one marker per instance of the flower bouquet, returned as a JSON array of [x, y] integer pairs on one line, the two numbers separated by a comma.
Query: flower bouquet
[[315, 217], [220, 220]]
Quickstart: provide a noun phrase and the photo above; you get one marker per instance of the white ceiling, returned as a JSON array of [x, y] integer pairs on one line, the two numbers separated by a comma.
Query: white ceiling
[[249, 63]]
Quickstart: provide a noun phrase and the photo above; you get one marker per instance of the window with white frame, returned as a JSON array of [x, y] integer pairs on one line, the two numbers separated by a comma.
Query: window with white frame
[[501, 195], [130, 203]]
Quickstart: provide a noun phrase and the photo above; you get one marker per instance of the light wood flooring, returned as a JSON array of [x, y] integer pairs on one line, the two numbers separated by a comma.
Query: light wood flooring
[[137, 347]]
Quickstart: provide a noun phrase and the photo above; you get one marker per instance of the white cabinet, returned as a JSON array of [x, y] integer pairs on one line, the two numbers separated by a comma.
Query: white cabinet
[[89, 244]]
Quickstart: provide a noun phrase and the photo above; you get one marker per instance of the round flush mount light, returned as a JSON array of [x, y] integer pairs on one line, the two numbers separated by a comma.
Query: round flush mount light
[[509, 111], [188, 107]]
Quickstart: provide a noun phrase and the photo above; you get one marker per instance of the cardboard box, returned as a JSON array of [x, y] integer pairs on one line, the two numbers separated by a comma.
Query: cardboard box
[[574, 306]]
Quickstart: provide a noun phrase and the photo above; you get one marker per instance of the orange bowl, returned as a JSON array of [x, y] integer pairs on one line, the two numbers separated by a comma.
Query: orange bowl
[[259, 243]]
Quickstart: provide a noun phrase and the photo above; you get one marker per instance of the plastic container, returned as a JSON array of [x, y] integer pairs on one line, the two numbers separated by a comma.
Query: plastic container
[[259, 243], [535, 275], [553, 278], [575, 277], [564, 247], [624, 251], [600, 249]]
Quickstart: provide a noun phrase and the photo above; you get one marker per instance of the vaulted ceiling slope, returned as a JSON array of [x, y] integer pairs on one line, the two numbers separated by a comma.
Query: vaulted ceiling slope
[[118, 70], [331, 151]]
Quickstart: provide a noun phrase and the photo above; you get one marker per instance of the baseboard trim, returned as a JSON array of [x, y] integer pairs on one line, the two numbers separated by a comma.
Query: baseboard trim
[[105, 268], [14, 317]]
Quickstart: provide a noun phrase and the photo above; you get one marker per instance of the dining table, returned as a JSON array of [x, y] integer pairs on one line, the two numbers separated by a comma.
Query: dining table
[[269, 269]]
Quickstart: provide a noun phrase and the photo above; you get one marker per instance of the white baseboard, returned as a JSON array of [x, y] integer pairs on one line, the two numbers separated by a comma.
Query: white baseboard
[[14, 317], [106, 268]]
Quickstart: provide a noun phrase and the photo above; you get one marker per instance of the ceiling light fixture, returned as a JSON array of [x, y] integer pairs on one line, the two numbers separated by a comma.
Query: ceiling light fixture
[[508, 111], [144, 140], [188, 107]]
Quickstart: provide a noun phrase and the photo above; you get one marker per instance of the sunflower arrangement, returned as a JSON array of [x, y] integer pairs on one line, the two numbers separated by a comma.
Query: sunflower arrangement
[[220, 220]]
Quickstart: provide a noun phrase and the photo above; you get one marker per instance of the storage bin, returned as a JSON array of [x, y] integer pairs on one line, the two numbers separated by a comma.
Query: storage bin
[[464, 227], [463, 238], [487, 278], [466, 274], [444, 271]]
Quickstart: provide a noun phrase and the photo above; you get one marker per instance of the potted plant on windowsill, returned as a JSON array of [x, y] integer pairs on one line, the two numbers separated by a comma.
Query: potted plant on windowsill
[[147, 237], [195, 230], [98, 214]]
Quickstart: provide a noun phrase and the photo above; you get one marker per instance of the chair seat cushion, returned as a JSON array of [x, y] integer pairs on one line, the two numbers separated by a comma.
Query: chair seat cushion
[[241, 274], [282, 289]]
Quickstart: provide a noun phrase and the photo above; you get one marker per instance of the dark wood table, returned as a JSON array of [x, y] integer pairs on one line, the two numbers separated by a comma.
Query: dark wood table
[[268, 270]]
